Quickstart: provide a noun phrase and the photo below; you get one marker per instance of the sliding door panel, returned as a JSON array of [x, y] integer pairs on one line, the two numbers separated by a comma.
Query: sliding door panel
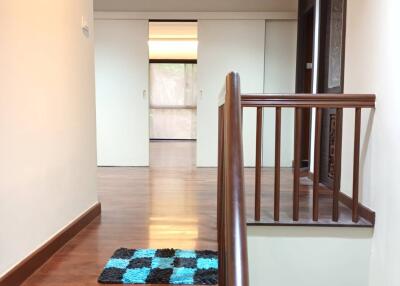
[[225, 46], [122, 105], [280, 77]]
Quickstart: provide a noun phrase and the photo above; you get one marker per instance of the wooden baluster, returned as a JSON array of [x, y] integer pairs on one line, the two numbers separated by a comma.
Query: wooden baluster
[[356, 165], [220, 166], [257, 209], [220, 197], [277, 163], [317, 156], [297, 159], [338, 164]]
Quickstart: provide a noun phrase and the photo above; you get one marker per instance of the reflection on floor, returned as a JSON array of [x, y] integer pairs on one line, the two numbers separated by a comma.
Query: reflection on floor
[[173, 154], [171, 204]]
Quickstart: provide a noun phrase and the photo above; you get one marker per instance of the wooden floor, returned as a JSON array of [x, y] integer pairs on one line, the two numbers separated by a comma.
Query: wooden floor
[[170, 204]]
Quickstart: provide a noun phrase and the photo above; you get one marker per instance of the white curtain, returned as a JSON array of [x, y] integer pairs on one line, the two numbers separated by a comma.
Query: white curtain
[[173, 101]]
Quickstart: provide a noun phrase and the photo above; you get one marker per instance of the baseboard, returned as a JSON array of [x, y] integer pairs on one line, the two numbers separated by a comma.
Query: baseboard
[[29, 265], [363, 211]]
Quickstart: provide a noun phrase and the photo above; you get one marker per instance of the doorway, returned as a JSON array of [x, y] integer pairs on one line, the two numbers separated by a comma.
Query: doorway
[[172, 93], [330, 75]]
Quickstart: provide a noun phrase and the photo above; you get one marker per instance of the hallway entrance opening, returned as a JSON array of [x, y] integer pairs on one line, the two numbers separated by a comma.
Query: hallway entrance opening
[[172, 90], [173, 101]]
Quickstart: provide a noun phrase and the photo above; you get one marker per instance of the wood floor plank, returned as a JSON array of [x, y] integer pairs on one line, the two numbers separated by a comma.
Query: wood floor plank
[[170, 204]]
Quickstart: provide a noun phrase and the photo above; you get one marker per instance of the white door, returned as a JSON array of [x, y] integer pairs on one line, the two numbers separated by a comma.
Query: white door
[[225, 46], [280, 77], [122, 107]]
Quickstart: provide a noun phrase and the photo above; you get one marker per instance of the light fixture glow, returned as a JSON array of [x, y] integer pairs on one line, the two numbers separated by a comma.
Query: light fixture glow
[[173, 49]]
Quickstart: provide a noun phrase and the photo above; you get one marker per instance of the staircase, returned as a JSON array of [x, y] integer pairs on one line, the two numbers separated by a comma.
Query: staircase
[[309, 235]]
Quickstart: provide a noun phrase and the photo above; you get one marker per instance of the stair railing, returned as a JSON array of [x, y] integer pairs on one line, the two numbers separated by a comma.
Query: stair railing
[[319, 102], [232, 234], [231, 212]]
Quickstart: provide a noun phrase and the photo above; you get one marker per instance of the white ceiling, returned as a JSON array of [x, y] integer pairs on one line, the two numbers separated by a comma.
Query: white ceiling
[[196, 5]]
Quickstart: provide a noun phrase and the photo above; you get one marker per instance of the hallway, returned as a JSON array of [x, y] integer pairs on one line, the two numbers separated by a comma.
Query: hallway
[[284, 95], [171, 204]]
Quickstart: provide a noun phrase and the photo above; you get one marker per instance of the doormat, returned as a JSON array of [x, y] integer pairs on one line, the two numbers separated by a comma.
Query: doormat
[[161, 266]]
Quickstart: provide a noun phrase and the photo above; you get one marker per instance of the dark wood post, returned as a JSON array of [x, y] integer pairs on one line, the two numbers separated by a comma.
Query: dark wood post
[[277, 182], [220, 196], [297, 162], [356, 165], [338, 164], [257, 209], [317, 156], [236, 263]]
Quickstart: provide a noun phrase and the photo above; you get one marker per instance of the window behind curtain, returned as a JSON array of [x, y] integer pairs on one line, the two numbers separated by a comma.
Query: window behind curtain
[[173, 101]]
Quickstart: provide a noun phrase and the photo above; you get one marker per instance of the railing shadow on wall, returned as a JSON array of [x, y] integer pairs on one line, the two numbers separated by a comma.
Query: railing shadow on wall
[[232, 236]]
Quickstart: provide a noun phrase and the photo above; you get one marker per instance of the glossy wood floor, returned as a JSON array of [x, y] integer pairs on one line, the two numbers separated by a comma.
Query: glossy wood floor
[[170, 204]]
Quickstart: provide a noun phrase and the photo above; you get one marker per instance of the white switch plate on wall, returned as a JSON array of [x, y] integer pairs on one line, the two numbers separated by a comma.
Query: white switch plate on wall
[[85, 26]]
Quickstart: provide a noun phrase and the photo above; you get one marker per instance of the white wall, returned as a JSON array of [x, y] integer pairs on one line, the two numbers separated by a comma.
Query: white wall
[[47, 122], [263, 66], [372, 66], [309, 256], [280, 77]]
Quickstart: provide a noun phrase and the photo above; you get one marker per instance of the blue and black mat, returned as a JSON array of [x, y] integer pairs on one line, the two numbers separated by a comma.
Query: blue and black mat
[[161, 266]]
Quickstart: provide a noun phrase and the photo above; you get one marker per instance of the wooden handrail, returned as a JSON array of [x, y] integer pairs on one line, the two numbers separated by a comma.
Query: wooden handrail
[[232, 233], [309, 100], [300, 102]]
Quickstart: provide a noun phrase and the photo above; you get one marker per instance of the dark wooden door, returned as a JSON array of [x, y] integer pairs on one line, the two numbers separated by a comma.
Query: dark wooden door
[[330, 75], [305, 43]]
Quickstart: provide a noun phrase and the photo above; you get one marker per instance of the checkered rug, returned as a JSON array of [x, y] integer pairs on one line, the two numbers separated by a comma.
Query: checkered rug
[[161, 266]]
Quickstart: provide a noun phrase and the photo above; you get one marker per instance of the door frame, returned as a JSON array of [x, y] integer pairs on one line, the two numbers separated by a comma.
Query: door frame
[[305, 53], [329, 121]]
